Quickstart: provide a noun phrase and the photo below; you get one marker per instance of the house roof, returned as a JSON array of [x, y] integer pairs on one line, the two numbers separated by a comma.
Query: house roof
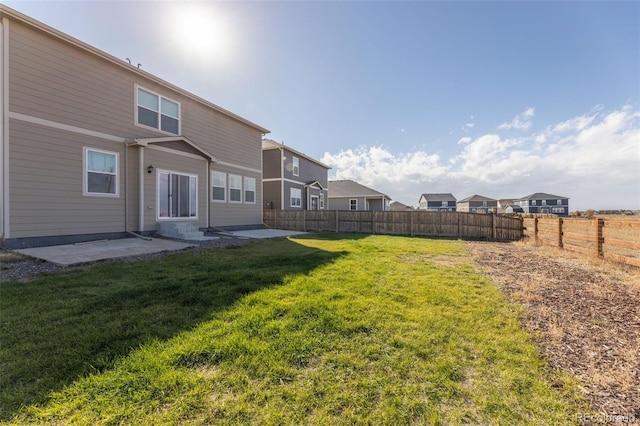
[[26, 20], [271, 144], [476, 198], [439, 197], [349, 188], [396, 205], [146, 141], [541, 196]]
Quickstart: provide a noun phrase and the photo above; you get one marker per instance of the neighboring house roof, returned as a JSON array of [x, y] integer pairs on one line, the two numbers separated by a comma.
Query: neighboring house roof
[[271, 144], [439, 197], [476, 198], [397, 206], [4, 10], [352, 189], [541, 196]]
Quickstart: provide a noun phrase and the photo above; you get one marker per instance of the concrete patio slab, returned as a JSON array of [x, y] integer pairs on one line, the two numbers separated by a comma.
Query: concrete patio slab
[[73, 254], [264, 233]]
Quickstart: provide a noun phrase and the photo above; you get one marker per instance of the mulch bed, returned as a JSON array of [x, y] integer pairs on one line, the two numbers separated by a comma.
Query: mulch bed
[[584, 314]]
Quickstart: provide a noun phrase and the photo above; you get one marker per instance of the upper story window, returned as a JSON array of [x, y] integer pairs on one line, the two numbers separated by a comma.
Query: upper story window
[[353, 204], [445, 204], [533, 202], [101, 173], [296, 166], [559, 202], [157, 112], [484, 204], [544, 202]]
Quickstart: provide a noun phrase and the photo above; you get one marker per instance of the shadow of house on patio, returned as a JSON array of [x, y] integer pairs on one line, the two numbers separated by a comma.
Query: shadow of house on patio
[[63, 326]]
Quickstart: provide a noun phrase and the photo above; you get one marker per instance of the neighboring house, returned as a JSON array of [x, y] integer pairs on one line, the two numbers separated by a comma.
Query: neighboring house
[[508, 205], [437, 202], [92, 147], [350, 195], [541, 203], [399, 207], [292, 180], [477, 204]]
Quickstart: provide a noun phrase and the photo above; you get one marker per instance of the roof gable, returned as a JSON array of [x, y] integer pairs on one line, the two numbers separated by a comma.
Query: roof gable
[[268, 144], [542, 196], [349, 188], [438, 197], [476, 198]]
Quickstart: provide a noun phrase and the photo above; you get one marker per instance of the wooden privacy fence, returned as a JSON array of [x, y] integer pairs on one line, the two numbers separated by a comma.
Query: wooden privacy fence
[[416, 222], [615, 240]]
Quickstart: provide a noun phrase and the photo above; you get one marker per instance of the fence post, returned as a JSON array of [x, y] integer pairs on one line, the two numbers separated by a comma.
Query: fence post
[[304, 220], [535, 230], [493, 227], [411, 222], [275, 219], [599, 237], [337, 226], [560, 244]]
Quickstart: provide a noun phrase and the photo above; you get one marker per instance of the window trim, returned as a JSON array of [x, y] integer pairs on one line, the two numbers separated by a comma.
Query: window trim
[[321, 201], [85, 173], [351, 204], [295, 166], [244, 185], [224, 192], [299, 198], [160, 97], [230, 188]]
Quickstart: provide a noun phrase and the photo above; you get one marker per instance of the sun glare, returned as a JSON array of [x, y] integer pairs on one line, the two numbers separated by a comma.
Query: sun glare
[[200, 32]]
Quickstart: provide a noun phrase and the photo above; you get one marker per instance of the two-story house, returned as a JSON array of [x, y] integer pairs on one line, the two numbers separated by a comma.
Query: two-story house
[[92, 147], [350, 195], [541, 203], [292, 180], [477, 204], [437, 202]]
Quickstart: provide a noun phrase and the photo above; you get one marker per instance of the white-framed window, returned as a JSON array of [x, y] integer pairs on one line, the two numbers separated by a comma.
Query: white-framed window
[[533, 202], [559, 202], [557, 209], [353, 204], [157, 112], [177, 195], [445, 204], [296, 166], [544, 202], [296, 197], [484, 204], [218, 186], [322, 201], [100, 173], [249, 190], [235, 189]]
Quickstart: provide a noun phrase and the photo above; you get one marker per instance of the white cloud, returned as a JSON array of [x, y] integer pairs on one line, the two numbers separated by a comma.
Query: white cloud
[[592, 159], [520, 121]]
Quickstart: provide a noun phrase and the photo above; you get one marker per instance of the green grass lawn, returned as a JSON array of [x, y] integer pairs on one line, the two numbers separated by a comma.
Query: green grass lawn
[[321, 329]]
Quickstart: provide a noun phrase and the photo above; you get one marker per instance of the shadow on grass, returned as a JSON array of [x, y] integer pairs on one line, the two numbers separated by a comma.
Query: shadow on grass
[[61, 327]]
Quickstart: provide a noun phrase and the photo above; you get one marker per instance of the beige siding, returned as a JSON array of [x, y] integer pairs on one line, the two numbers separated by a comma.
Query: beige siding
[[46, 184], [166, 161], [237, 214]]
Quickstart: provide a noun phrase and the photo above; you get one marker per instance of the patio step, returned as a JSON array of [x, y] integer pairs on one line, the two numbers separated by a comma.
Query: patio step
[[179, 230]]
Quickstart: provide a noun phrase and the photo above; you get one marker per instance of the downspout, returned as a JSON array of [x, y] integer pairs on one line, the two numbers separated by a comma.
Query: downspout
[[4, 130], [126, 188]]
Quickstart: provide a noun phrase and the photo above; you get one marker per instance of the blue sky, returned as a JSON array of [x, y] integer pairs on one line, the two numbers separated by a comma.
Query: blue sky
[[501, 99]]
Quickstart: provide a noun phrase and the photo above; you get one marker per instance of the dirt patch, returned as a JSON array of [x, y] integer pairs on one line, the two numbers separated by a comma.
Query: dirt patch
[[584, 315]]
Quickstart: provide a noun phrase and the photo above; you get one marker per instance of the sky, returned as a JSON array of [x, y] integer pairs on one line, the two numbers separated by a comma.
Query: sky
[[499, 98]]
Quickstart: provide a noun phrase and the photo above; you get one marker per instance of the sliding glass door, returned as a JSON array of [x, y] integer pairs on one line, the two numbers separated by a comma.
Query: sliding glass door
[[177, 195]]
